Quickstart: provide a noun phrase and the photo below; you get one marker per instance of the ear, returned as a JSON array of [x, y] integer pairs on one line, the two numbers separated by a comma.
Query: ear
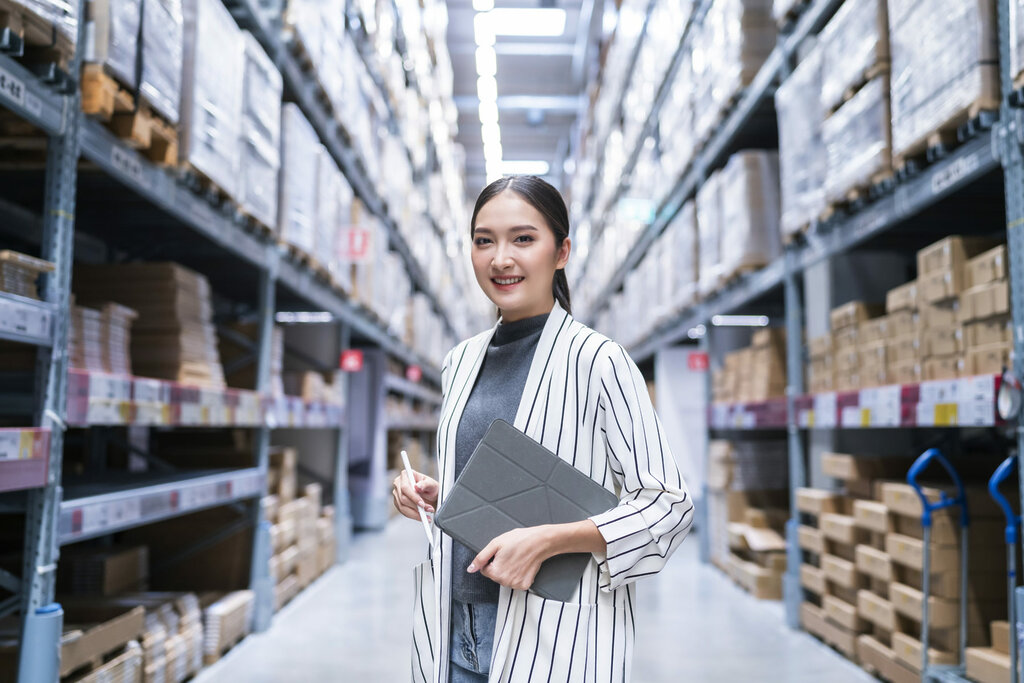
[[562, 256]]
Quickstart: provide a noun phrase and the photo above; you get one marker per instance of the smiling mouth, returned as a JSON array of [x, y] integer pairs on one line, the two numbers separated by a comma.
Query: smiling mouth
[[506, 281]]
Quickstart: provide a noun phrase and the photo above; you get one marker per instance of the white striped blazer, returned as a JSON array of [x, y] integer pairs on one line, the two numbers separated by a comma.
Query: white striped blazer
[[586, 401]]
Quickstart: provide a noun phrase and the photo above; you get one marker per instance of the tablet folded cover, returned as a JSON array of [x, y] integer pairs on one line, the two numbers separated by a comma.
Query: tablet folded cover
[[510, 482]]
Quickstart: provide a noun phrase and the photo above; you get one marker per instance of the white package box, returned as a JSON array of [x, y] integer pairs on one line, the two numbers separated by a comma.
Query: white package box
[[680, 263], [327, 218], [749, 190], [802, 158], [945, 62], [709, 229], [297, 204], [676, 124], [211, 93], [853, 43], [857, 140], [112, 36], [261, 134], [162, 56]]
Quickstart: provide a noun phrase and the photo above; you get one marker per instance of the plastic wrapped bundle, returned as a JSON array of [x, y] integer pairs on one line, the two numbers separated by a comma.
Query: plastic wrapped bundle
[[211, 93], [676, 122], [328, 218], [162, 56], [261, 134], [62, 16], [801, 150], [945, 67], [112, 30], [680, 259], [297, 203], [854, 49], [709, 230], [339, 265], [857, 142], [750, 211]]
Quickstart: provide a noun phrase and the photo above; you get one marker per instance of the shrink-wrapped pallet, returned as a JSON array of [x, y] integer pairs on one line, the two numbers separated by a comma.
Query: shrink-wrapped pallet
[[297, 204], [709, 230], [681, 259], [57, 30], [676, 122], [161, 46], [328, 209], [854, 48], [802, 156], [340, 265], [112, 37], [857, 141], [749, 190], [729, 48], [945, 67], [211, 93], [261, 134]]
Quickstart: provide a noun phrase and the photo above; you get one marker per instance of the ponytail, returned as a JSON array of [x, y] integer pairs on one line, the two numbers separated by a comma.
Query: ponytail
[[560, 288]]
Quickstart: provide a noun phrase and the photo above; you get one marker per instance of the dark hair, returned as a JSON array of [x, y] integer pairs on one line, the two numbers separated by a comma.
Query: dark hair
[[542, 196]]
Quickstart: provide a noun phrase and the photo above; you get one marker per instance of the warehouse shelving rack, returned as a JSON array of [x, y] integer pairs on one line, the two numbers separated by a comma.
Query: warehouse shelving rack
[[33, 483], [968, 402]]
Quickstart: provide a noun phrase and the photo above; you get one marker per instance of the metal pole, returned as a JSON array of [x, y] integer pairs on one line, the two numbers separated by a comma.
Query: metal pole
[[342, 508], [793, 591]]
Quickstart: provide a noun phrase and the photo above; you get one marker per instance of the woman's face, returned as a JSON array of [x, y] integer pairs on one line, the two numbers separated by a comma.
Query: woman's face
[[515, 257]]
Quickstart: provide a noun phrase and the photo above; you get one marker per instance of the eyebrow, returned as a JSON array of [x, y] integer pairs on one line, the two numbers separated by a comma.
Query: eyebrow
[[514, 228]]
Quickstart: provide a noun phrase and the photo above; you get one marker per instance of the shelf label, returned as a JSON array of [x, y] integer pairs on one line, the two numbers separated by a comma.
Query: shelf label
[[33, 104], [351, 360], [127, 163], [951, 174], [805, 418], [825, 409], [853, 416], [945, 414], [12, 88]]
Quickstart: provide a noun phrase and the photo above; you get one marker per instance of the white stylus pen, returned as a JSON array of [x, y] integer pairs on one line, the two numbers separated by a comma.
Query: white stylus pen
[[423, 513]]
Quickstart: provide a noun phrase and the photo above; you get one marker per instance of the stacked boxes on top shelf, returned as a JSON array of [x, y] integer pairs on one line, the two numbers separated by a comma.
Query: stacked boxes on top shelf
[[846, 322], [260, 144], [747, 509], [756, 373], [903, 341], [19, 273], [985, 313], [821, 376]]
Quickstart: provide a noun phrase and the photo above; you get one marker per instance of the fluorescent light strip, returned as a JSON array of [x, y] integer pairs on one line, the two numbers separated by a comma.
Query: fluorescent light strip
[[303, 317], [537, 167], [486, 61], [542, 22], [740, 321]]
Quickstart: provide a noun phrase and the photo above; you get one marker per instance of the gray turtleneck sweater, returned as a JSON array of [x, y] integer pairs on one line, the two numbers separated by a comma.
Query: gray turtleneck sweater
[[496, 395]]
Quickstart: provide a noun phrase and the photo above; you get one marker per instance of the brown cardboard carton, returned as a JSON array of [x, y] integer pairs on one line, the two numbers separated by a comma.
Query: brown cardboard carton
[[902, 323], [987, 267], [845, 641], [997, 330], [285, 462], [987, 360], [872, 515], [812, 618], [851, 467], [881, 661], [769, 336], [876, 610], [940, 286], [818, 501], [1001, 637], [840, 572], [843, 614], [873, 562], [873, 354], [105, 629], [820, 346], [946, 314], [944, 367], [909, 552], [909, 602], [845, 339], [841, 529], [904, 348], [908, 652], [853, 313], [986, 665], [874, 330], [950, 254], [812, 540], [103, 571], [908, 372], [941, 341], [985, 301], [902, 298], [847, 360], [813, 579]]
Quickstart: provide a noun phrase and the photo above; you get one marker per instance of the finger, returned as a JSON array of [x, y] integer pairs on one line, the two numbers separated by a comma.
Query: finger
[[409, 495], [483, 557]]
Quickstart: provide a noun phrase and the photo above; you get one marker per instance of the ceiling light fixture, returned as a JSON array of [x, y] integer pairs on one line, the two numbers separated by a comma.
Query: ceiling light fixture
[[490, 133], [542, 22], [532, 167], [487, 89], [483, 29], [740, 321], [486, 61], [489, 112], [493, 151], [483, 5]]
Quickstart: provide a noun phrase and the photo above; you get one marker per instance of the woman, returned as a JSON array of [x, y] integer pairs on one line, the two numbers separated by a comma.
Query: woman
[[581, 396]]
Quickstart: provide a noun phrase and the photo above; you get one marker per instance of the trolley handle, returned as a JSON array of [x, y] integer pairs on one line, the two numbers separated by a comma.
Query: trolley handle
[[919, 466], [1002, 473]]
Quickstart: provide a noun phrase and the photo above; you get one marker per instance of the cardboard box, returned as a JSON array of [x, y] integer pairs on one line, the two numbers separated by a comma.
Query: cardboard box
[[942, 613], [986, 665], [881, 661], [103, 571], [985, 301], [813, 579], [946, 314], [997, 330], [909, 552], [940, 286], [843, 614], [845, 339], [908, 652], [852, 314], [987, 267], [812, 618], [852, 467], [874, 563], [874, 330], [988, 360], [810, 539], [873, 354], [902, 323], [876, 610], [943, 367], [950, 254], [284, 461], [872, 515], [105, 629], [818, 501], [941, 341], [820, 346], [902, 298], [907, 372], [840, 572], [842, 639], [841, 529], [1001, 637], [904, 348], [847, 360]]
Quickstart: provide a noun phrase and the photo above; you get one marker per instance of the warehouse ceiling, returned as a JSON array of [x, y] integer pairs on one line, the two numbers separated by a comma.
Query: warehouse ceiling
[[541, 83]]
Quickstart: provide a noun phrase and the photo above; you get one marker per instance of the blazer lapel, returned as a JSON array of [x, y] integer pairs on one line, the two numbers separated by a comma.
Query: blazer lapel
[[531, 404]]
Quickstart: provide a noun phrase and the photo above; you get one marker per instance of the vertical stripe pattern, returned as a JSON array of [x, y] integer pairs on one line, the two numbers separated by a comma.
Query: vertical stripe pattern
[[585, 400]]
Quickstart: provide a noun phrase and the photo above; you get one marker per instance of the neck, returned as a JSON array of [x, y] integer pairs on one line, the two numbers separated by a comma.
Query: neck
[[513, 316]]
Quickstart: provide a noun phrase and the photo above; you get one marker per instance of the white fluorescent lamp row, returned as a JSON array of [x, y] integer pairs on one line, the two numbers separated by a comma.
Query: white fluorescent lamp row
[[487, 88], [514, 21], [739, 321]]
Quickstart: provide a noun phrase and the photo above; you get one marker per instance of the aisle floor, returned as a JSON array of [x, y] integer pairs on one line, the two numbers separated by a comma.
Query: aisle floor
[[693, 624]]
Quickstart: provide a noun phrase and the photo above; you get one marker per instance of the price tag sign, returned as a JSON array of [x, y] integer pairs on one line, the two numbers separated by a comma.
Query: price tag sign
[[351, 360], [12, 88], [698, 361], [414, 373], [945, 414]]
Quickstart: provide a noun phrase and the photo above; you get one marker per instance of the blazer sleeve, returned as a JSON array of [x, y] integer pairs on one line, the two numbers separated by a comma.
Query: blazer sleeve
[[655, 511]]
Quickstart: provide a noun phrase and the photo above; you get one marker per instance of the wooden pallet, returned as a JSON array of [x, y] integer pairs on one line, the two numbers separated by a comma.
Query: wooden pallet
[[960, 127], [25, 34], [878, 185], [797, 235], [869, 74]]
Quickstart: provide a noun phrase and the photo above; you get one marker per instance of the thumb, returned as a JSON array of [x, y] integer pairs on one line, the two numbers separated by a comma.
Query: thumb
[[483, 557], [425, 484]]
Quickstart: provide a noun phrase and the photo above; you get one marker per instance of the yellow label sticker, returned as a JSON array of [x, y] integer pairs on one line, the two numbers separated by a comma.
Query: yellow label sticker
[[165, 414], [945, 414], [26, 444], [124, 409], [865, 417], [810, 418]]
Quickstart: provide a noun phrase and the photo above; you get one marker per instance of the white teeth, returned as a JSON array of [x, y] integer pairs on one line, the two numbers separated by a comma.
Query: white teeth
[[508, 281]]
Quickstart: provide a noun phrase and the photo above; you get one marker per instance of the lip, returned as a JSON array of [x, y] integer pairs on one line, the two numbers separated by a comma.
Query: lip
[[506, 288]]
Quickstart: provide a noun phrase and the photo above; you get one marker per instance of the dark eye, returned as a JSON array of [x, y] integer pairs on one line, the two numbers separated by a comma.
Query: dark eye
[[481, 241], [524, 238]]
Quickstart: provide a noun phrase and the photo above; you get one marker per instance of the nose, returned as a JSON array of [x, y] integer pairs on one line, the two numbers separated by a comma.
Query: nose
[[502, 257]]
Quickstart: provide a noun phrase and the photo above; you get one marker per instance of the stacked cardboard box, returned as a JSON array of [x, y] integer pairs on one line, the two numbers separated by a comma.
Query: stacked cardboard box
[[756, 373], [821, 374], [941, 277], [260, 143], [823, 573], [858, 142], [757, 558], [313, 387], [847, 321], [100, 340], [110, 571], [903, 342], [985, 313], [991, 665], [19, 273], [891, 564], [855, 48], [227, 618], [174, 336], [750, 211]]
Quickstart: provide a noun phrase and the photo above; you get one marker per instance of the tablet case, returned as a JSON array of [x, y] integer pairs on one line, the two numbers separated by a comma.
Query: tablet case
[[511, 481]]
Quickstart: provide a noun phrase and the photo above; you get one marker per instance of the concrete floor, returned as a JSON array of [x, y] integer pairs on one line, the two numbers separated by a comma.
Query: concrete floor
[[353, 625]]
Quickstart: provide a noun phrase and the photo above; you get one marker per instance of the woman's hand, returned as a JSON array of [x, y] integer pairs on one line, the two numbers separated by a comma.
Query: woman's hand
[[514, 558], [408, 496]]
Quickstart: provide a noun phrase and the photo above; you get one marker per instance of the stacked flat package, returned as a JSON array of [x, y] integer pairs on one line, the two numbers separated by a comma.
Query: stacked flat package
[[174, 337], [941, 279], [729, 48], [854, 49], [19, 273], [296, 530], [991, 664], [211, 93], [162, 48], [985, 313], [848, 356], [709, 230], [227, 618], [857, 141], [945, 67], [750, 211], [755, 373], [820, 368], [99, 340], [260, 146], [747, 513], [802, 156], [112, 37], [903, 334], [297, 205]]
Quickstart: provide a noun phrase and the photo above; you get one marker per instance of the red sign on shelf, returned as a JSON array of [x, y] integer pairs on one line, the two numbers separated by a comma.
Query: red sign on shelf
[[353, 244], [414, 373], [698, 361], [351, 360]]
